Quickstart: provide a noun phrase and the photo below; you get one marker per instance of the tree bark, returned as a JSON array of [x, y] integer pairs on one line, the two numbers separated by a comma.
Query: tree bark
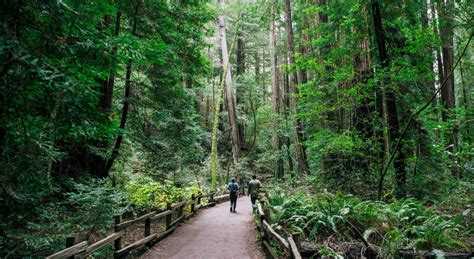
[[300, 152], [241, 50], [445, 9], [257, 66], [276, 98], [97, 163], [286, 110], [107, 90], [431, 83], [264, 88], [392, 113], [229, 91], [240, 72], [439, 61], [126, 99]]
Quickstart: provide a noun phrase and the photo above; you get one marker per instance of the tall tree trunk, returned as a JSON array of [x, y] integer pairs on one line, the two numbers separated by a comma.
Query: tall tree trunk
[[126, 98], [108, 87], [240, 72], [257, 66], [286, 105], [98, 163], [445, 9], [229, 91], [431, 83], [264, 87], [208, 111], [217, 104], [275, 97], [439, 61], [303, 73], [241, 50], [392, 113], [465, 98], [300, 152], [362, 119]]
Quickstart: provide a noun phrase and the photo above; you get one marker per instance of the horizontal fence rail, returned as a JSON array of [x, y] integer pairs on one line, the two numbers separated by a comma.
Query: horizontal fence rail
[[285, 244], [82, 249]]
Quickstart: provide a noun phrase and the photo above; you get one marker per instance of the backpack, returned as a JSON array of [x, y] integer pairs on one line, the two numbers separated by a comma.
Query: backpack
[[234, 188]]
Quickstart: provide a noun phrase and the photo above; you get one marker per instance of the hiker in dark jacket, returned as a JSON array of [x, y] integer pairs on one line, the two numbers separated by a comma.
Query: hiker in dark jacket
[[233, 188]]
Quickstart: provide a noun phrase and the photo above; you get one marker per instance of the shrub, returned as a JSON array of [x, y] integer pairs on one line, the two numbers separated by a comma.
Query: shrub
[[148, 194], [403, 224]]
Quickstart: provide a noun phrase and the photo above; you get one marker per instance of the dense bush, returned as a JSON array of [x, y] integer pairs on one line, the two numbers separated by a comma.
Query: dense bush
[[148, 194], [345, 218], [86, 211]]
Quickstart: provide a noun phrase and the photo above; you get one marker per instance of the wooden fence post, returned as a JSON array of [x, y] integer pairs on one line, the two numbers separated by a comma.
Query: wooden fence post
[[211, 198], [297, 240], [70, 242], [294, 251], [180, 211], [168, 217], [192, 204], [147, 227], [199, 198], [118, 241]]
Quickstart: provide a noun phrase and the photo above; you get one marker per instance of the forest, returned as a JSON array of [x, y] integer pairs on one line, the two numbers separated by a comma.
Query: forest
[[356, 115]]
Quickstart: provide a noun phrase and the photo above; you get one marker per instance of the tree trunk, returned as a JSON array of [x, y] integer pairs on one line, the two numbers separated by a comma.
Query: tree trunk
[[257, 66], [108, 87], [431, 82], [275, 98], [264, 87], [97, 163], [229, 91], [439, 61], [447, 93], [241, 50], [208, 112], [392, 114], [286, 105], [240, 72], [126, 99], [300, 152]]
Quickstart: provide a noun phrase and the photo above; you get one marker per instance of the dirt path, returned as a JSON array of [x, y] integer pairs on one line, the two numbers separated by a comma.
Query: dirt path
[[213, 233]]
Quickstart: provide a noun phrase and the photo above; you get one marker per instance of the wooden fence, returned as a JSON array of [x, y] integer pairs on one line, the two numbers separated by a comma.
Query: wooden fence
[[286, 244], [83, 249]]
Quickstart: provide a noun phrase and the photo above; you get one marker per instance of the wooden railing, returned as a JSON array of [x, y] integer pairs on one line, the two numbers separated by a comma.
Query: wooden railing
[[83, 249], [286, 244]]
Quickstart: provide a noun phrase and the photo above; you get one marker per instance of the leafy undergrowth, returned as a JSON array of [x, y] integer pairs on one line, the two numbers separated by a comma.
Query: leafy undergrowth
[[147, 194], [86, 212], [327, 219]]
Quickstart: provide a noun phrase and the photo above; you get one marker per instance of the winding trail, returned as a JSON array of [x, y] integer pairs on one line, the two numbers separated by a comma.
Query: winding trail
[[213, 233]]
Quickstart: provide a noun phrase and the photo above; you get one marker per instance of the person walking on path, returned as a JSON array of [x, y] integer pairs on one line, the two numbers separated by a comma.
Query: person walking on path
[[254, 187], [233, 188]]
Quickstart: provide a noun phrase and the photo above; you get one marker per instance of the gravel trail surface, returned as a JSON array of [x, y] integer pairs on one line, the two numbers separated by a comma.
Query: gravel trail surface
[[213, 233]]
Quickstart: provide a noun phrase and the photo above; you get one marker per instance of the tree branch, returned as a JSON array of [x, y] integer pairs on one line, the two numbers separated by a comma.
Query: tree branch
[[412, 116]]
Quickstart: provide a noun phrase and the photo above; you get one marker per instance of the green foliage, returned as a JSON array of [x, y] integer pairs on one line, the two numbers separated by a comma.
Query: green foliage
[[147, 194], [61, 62], [402, 224], [327, 251], [58, 58], [86, 212]]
